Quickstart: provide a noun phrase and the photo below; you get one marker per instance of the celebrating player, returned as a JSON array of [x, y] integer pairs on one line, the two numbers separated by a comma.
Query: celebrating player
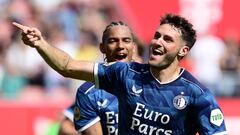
[[155, 98]]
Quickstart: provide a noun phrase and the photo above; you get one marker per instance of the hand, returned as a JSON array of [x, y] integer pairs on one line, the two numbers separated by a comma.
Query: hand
[[30, 36]]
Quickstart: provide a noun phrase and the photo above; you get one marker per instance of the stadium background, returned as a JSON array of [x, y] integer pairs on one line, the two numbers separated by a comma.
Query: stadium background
[[32, 96]]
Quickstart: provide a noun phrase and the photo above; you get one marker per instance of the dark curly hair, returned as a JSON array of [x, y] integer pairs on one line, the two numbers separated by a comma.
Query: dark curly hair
[[105, 32], [186, 28]]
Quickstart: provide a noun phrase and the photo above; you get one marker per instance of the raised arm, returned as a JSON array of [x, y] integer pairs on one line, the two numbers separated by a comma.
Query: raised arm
[[56, 58]]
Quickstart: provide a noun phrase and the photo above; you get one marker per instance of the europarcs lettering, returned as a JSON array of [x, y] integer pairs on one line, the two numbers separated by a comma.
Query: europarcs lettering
[[154, 116]]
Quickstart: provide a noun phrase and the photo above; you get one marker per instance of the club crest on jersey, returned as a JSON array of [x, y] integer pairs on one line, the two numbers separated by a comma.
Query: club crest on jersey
[[180, 102], [216, 117], [135, 91], [102, 104], [76, 111]]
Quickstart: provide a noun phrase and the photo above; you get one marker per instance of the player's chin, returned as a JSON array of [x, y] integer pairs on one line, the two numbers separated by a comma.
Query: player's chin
[[153, 61]]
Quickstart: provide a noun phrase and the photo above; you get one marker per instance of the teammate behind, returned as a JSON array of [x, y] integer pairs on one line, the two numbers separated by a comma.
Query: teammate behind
[[93, 105]]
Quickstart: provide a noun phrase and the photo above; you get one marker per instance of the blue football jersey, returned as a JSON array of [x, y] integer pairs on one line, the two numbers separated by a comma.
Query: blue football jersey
[[146, 106], [68, 113], [93, 105]]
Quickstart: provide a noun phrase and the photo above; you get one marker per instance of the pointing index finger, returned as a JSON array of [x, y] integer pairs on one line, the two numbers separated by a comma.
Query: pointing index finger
[[20, 26]]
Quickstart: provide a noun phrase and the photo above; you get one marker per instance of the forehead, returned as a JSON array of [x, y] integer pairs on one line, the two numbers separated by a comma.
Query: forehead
[[170, 30], [119, 31]]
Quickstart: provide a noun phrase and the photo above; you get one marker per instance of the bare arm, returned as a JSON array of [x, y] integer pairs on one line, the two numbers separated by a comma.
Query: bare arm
[[67, 128], [56, 58], [95, 129]]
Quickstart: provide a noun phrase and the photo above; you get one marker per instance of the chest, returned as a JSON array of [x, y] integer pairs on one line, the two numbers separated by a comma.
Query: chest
[[147, 97]]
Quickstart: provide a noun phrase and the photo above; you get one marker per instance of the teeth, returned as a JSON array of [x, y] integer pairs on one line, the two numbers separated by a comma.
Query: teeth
[[157, 52]]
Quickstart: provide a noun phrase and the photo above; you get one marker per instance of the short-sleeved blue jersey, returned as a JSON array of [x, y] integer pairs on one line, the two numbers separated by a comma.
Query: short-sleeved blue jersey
[[93, 105], [68, 113], [180, 107]]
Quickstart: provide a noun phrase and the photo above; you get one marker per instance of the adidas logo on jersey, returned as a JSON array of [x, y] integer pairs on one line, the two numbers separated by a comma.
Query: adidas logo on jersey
[[102, 104], [135, 91]]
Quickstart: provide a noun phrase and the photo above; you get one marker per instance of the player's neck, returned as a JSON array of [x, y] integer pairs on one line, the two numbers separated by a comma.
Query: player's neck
[[166, 75]]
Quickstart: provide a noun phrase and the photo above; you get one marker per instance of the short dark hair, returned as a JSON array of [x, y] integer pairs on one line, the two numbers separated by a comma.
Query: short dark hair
[[105, 32], [186, 28]]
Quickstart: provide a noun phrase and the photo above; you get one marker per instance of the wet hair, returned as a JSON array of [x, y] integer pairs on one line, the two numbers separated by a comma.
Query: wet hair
[[112, 24], [186, 28]]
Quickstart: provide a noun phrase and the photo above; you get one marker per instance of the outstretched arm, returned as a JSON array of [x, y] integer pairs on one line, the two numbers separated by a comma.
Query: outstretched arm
[[56, 58]]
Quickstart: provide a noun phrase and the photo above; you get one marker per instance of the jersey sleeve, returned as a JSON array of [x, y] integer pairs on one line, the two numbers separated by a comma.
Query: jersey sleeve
[[85, 112], [68, 113], [110, 76], [209, 116]]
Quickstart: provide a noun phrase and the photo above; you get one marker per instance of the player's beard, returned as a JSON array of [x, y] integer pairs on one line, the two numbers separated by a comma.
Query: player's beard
[[167, 60]]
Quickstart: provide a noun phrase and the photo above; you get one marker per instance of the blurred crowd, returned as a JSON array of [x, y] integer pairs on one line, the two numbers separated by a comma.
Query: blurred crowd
[[72, 25], [216, 63], [76, 26]]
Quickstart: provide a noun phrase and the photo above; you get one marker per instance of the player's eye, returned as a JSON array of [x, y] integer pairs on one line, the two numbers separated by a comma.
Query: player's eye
[[127, 40], [112, 40], [157, 35], [167, 39]]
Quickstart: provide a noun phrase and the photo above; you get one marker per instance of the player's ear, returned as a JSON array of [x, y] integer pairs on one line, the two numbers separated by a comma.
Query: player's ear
[[102, 48], [183, 51], [135, 47]]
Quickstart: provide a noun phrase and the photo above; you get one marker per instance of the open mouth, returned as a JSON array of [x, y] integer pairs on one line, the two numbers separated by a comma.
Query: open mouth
[[157, 51], [120, 56]]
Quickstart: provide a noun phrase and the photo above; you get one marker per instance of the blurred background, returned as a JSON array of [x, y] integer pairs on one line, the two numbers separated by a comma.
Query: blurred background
[[33, 96]]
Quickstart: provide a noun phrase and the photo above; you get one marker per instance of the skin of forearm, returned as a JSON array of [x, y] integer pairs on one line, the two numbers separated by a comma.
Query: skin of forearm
[[54, 57], [62, 62], [95, 129]]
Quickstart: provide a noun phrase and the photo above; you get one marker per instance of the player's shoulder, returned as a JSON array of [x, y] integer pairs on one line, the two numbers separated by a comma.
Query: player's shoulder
[[138, 67], [114, 64], [89, 90], [86, 88], [191, 82]]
